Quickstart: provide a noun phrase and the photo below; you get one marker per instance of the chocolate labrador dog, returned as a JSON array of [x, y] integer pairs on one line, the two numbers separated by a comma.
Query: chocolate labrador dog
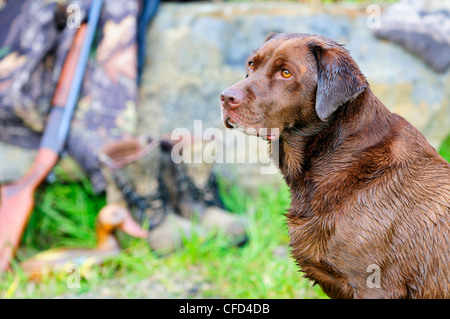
[[370, 197]]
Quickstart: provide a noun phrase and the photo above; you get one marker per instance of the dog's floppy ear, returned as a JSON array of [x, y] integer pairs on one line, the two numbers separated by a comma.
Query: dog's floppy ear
[[339, 77]]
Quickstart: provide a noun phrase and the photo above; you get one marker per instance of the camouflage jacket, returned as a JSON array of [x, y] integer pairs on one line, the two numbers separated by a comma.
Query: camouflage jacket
[[35, 36]]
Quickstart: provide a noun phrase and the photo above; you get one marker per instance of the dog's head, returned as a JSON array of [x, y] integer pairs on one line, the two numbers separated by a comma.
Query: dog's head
[[293, 80]]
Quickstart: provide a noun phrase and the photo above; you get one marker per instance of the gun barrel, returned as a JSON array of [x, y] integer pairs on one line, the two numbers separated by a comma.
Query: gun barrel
[[70, 65], [60, 97], [93, 17]]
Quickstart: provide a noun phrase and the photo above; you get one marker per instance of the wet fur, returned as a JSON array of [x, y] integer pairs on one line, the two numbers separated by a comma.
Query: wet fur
[[366, 187]]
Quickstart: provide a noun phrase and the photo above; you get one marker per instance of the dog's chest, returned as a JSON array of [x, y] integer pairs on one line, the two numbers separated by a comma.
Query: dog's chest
[[309, 232], [312, 227], [309, 242]]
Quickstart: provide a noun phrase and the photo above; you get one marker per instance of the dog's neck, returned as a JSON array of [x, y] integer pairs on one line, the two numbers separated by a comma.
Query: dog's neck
[[299, 148], [290, 151]]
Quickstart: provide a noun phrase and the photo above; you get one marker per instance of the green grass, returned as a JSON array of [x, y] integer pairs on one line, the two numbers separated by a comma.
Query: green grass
[[444, 150], [65, 216]]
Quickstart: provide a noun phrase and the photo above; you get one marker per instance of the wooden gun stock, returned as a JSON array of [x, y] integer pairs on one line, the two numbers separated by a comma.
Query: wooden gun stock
[[17, 199]]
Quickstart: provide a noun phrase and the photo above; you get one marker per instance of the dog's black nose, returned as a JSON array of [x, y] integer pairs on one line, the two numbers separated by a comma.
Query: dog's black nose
[[231, 98]]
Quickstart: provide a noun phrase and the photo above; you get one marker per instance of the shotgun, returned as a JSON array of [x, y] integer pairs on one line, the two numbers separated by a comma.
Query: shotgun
[[17, 199]]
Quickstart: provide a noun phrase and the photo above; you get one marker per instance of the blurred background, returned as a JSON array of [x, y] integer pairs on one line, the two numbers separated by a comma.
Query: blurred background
[[193, 51]]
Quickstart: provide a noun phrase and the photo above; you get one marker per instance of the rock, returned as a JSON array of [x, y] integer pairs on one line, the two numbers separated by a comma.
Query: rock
[[19, 161]]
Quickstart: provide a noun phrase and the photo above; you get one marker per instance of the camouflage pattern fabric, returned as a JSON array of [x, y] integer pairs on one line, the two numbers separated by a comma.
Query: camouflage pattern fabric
[[34, 41]]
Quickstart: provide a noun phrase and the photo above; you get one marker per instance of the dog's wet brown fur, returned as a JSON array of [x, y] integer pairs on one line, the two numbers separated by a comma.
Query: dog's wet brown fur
[[368, 191]]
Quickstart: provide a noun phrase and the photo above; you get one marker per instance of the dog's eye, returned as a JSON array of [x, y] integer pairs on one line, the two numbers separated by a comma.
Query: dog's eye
[[250, 64], [286, 73]]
